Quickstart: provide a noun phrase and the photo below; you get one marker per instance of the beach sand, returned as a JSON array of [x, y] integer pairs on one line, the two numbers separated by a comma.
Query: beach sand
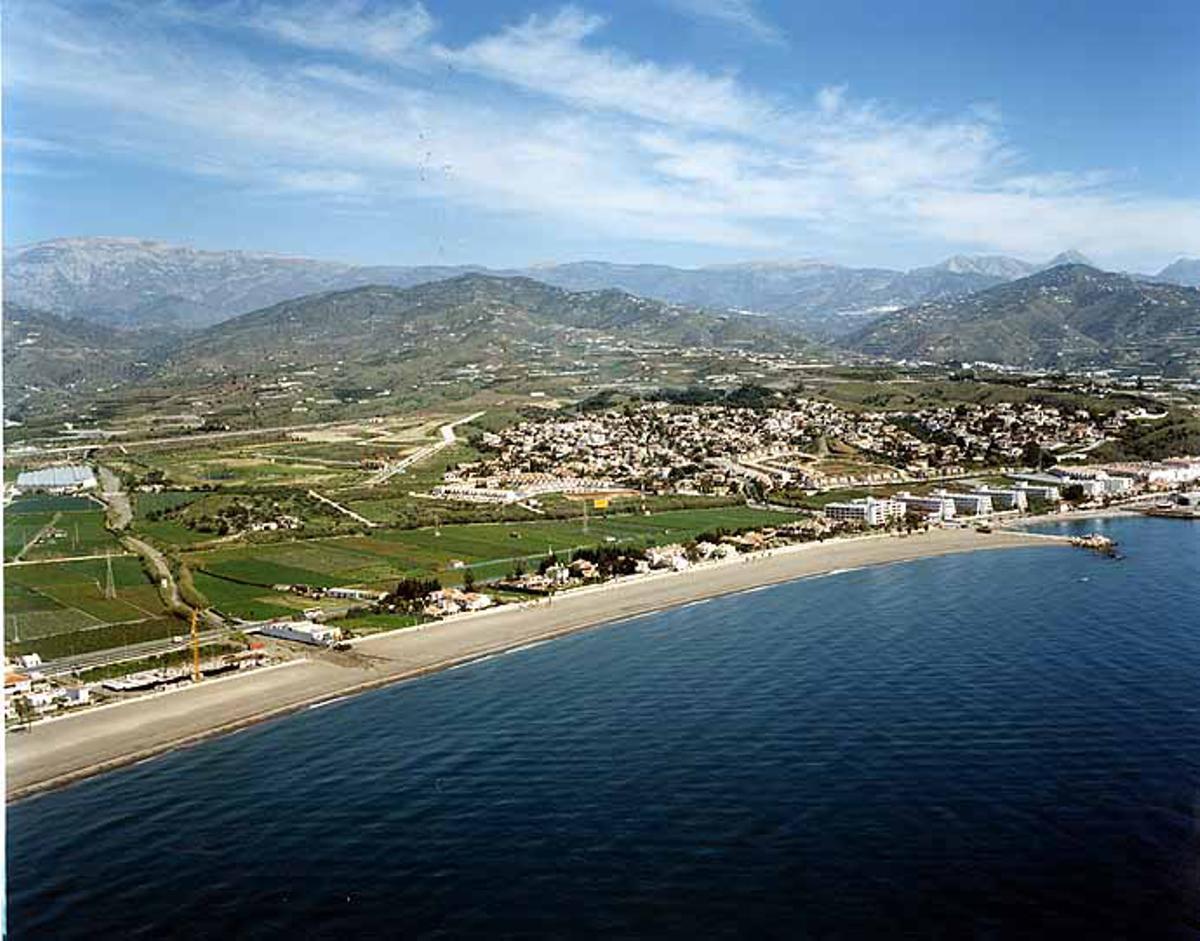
[[59, 751]]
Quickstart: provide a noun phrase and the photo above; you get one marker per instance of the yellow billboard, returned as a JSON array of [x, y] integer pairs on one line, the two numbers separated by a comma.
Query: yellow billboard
[[600, 503]]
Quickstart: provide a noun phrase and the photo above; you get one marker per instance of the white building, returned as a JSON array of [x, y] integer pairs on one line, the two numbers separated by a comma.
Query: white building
[[1096, 482], [932, 507], [355, 594], [64, 478], [1002, 499], [866, 510], [303, 632], [1046, 492], [968, 504]]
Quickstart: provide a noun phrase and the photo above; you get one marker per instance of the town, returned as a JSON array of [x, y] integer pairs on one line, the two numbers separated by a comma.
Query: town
[[795, 442]]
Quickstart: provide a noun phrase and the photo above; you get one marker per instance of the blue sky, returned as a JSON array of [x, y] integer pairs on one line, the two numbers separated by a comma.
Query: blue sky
[[676, 131]]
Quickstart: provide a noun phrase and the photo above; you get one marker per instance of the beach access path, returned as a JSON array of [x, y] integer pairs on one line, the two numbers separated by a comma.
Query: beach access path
[[58, 751]]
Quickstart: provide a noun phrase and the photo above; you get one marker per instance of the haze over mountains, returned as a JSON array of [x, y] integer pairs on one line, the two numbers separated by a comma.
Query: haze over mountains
[[71, 303], [1072, 315], [137, 283]]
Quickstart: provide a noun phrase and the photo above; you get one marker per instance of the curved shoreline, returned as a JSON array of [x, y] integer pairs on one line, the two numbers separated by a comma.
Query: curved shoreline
[[58, 753]]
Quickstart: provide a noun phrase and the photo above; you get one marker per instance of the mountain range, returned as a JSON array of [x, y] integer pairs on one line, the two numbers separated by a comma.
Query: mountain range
[[462, 319], [474, 328], [51, 357], [138, 283], [1069, 316]]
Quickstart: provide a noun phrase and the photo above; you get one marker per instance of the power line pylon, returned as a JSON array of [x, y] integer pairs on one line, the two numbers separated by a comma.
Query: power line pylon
[[110, 587]]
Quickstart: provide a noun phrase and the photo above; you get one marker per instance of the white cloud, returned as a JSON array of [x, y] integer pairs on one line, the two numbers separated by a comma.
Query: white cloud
[[741, 14], [346, 78], [350, 26], [549, 56], [595, 140]]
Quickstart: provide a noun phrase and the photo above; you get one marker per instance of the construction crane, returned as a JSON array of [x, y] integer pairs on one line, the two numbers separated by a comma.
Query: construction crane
[[195, 646]]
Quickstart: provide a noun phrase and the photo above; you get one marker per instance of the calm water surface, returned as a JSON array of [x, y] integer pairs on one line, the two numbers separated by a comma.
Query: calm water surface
[[997, 745]]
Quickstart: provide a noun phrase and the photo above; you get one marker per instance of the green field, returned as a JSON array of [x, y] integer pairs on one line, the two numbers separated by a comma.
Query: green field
[[165, 530], [60, 608], [244, 601], [489, 549], [78, 525]]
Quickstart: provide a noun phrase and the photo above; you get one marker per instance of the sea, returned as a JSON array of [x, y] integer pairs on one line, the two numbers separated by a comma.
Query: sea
[[990, 745]]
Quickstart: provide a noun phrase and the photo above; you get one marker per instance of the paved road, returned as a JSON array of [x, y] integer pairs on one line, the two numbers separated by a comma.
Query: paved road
[[448, 438], [149, 648]]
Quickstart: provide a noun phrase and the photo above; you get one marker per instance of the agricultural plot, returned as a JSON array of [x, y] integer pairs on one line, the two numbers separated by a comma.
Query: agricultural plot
[[70, 526], [61, 608], [244, 601], [489, 549], [162, 529]]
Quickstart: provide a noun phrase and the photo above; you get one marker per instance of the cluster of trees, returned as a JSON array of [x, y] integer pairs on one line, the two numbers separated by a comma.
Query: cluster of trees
[[244, 510], [410, 592], [611, 560], [1178, 433]]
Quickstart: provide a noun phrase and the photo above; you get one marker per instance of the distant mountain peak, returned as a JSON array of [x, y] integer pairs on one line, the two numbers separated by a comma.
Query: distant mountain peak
[[996, 266], [1069, 257], [1067, 315], [1185, 271]]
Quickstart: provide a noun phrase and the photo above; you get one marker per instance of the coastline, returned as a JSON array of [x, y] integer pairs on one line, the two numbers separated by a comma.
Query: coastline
[[54, 754], [1108, 512]]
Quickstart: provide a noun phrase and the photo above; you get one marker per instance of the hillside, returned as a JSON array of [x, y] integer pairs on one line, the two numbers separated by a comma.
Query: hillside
[[1072, 315], [54, 358], [823, 299], [460, 319], [1185, 271]]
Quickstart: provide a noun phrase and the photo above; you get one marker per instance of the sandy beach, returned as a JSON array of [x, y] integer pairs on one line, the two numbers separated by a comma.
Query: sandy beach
[[57, 752]]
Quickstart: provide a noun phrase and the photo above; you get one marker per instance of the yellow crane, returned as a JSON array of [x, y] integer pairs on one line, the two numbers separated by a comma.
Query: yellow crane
[[195, 646]]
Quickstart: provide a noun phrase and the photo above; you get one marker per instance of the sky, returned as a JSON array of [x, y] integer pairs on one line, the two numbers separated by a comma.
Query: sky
[[686, 132]]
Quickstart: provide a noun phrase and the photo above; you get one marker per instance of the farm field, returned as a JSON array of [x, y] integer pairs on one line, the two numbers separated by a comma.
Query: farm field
[[59, 608], [165, 530], [488, 549], [78, 527]]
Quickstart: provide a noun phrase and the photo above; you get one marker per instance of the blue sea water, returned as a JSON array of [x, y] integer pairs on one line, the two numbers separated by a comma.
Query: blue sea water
[[994, 745]]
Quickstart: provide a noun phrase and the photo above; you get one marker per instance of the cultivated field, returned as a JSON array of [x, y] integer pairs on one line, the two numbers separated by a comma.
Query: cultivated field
[[73, 527], [60, 608], [490, 550]]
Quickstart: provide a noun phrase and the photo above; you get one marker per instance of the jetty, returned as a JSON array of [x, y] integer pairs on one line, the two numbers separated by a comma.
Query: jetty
[[1096, 543]]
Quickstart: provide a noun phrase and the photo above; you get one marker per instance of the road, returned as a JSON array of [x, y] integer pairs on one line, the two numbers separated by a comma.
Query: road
[[37, 536], [149, 648], [120, 511], [119, 516], [448, 438], [358, 517], [123, 446]]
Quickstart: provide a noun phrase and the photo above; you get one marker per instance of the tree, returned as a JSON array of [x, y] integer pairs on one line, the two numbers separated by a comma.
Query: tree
[[24, 712], [468, 579], [1073, 493]]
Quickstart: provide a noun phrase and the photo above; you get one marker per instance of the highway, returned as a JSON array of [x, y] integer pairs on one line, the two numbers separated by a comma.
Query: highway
[[149, 648]]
